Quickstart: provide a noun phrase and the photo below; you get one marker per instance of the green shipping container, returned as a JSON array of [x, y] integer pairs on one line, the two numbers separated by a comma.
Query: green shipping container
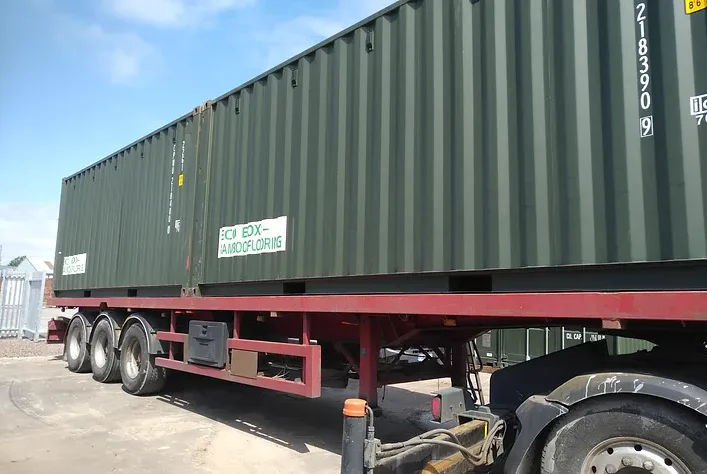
[[487, 345], [443, 138], [628, 345], [504, 347]]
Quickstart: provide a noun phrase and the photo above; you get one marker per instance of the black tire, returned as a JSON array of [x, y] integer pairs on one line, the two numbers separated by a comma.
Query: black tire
[[75, 347], [105, 362], [585, 428], [138, 371]]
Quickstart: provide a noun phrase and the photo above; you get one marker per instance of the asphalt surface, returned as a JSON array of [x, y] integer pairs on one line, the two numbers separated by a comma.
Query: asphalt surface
[[53, 421]]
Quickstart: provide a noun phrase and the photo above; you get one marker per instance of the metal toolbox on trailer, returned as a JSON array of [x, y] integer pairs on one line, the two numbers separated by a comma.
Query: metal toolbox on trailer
[[207, 343]]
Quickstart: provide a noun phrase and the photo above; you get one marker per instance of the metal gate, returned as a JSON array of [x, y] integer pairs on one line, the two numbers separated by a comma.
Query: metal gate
[[21, 297]]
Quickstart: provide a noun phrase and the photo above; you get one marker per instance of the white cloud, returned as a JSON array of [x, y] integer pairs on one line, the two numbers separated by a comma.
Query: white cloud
[[122, 55], [28, 229], [289, 38], [171, 13]]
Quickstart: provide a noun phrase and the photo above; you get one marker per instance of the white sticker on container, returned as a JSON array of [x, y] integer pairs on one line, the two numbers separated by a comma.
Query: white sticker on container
[[698, 108], [266, 236], [74, 265]]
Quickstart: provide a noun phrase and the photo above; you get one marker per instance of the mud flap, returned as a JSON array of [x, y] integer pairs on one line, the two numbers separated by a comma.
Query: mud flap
[[56, 330]]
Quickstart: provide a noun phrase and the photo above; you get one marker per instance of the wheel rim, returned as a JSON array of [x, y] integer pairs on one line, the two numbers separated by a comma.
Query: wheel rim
[[100, 349], [134, 359], [75, 343], [632, 456]]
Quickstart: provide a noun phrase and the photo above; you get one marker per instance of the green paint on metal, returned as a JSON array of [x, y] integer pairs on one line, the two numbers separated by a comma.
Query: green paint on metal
[[471, 136]]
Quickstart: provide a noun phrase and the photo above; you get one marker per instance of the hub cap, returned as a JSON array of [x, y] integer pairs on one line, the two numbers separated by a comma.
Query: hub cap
[[632, 456], [134, 360], [75, 343], [101, 350]]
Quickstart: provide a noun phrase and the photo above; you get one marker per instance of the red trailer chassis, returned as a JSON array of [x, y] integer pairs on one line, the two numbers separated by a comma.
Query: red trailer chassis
[[376, 320]]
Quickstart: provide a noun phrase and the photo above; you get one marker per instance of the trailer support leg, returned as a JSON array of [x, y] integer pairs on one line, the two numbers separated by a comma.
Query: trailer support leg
[[458, 375], [368, 361]]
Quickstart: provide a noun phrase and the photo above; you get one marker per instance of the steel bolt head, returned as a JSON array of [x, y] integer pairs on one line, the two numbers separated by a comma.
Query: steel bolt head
[[610, 469], [627, 461], [648, 466]]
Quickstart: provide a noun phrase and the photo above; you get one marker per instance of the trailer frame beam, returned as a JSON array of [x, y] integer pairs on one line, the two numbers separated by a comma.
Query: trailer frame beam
[[617, 306]]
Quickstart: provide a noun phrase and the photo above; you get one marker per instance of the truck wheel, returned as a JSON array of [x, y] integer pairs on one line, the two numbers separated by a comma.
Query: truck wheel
[[105, 363], [138, 371], [627, 434], [77, 356]]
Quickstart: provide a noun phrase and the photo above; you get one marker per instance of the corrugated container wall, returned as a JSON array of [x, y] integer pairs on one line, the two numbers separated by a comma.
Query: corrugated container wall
[[130, 215], [437, 136]]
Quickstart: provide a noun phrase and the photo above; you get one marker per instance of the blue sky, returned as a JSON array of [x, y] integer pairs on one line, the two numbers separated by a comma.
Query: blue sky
[[82, 78]]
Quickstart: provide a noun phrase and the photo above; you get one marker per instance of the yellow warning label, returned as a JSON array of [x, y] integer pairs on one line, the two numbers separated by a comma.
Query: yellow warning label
[[693, 6], [180, 180]]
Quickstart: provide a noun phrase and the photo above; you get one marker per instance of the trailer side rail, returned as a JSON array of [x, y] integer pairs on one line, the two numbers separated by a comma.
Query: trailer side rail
[[649, 305]]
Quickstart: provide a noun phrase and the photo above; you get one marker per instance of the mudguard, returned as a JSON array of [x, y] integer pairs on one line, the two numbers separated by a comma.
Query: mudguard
[[533, 416], [116, 319], [150, 324], [587, 386], [536, 413], [88, 319]]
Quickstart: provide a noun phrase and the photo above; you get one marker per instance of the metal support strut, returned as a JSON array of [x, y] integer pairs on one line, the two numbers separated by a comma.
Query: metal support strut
[[459, 360], [353, 444], [368, 361]]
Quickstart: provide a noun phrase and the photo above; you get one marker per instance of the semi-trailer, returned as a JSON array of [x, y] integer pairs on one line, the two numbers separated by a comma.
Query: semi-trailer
[[440, 169]]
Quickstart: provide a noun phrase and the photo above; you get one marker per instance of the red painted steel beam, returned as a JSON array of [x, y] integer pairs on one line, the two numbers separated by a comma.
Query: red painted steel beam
[[171, 336], [306, 328], [236, 325], [656, 305], [172, 329], [287, 386], [312, 372], [368, 360], [282, 348]]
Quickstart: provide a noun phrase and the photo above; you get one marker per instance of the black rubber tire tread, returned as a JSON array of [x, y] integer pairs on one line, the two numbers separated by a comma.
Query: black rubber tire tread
[[150, 378], [82, 364], [111, 371], [664, 423]]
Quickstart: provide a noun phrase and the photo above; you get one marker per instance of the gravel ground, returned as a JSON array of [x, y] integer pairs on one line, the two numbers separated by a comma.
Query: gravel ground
[[25, 348]]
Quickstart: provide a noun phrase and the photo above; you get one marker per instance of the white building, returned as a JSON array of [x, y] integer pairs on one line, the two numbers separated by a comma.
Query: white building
[[35, 264]]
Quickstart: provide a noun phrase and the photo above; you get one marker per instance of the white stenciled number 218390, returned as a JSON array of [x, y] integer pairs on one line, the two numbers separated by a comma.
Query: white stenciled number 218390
[[644, 72]]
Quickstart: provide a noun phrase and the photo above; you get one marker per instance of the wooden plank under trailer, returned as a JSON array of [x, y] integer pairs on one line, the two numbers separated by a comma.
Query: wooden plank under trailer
[[454, 318]]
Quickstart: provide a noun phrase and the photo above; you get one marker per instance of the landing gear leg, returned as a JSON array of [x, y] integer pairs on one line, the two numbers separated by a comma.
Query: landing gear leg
[[368, 362]]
